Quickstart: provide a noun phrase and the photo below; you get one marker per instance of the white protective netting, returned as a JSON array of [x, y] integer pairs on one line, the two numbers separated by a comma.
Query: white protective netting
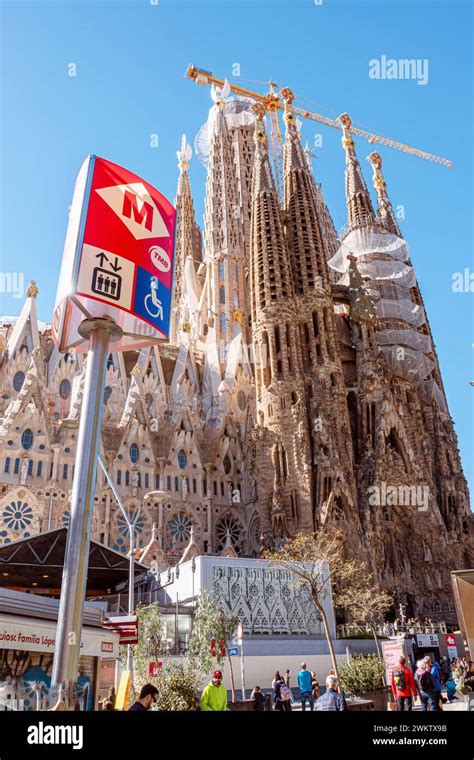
[[365, 242], [410, 338], [402, 309], [236, 115], [431, 392], [407, 362], [381, 261], [384, 271]]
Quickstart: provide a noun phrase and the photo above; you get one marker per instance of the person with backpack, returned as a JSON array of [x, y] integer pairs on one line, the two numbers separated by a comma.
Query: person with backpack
[[403, 686], [282, 696], [426, 686], [305, 687]]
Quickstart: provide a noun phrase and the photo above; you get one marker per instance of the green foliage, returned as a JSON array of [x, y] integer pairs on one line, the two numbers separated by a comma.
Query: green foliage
[[362, 673], [151, 643], [178, 687], [177, 682], [210, 622]]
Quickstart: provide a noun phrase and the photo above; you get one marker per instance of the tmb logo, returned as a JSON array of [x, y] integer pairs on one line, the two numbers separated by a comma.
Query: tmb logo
[[134, 205]]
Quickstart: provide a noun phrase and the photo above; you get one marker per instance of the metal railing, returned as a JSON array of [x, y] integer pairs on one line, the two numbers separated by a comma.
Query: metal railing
[[350, 630]]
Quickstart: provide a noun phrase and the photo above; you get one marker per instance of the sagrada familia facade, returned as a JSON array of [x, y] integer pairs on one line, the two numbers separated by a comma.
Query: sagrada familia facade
[[300, 387]]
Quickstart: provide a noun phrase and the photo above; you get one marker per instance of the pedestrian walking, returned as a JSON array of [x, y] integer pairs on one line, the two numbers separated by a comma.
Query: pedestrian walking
[[445, 669], [332, 700], [281, 696], [147, 697], [314, 686], [305, 687], [214, 696], [403, 686], [426, 687], [277, 677], [435, 671], [258, 699]]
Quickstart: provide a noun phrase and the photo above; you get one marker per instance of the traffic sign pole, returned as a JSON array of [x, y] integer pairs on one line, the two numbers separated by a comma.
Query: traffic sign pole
[[99, 333]]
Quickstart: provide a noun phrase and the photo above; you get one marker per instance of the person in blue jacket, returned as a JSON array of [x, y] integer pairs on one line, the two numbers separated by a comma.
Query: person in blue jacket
[[435, 671], [305, 687], [332, 700]]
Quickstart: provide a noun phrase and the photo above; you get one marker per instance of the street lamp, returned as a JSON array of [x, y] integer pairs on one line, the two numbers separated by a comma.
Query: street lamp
[[131, 525]]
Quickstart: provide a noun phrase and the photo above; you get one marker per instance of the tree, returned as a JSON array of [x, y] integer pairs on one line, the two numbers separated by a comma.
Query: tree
[[365, 603], [151, 642], [178, 681], [317, 561], [211, 623]]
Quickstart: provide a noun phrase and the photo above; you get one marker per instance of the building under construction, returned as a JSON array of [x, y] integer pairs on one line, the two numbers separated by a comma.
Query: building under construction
[[300, 387]]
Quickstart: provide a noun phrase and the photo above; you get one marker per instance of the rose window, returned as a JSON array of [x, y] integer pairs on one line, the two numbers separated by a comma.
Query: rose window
[[180, 528], [17, 515], [123, 527], [229, 524]]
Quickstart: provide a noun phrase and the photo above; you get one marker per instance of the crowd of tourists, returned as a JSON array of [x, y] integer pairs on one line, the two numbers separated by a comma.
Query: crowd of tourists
[[214, 695], [429, 681]]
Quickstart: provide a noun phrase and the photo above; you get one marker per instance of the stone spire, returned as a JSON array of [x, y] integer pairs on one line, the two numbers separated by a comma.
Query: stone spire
[[187, 242], [304, 228], [327, 415], [359, 205], [281, 409], [191, 550], [386, 216], [270, 274], [224, 246]]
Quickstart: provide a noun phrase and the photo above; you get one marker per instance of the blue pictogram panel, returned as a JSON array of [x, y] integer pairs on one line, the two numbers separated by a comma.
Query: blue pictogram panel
[[152, 300]]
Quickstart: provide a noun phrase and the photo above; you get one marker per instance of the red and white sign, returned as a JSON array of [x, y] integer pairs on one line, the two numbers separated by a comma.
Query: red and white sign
[[392, 651], [126, 626], [451, 644], [154, 668], [118, 258]]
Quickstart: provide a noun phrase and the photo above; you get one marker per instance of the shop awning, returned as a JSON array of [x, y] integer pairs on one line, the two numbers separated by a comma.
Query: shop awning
[[36, 563]]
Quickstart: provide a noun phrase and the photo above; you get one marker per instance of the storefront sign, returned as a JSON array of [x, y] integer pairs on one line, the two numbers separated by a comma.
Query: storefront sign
[[40, 636], [451, 644], [427, 640]]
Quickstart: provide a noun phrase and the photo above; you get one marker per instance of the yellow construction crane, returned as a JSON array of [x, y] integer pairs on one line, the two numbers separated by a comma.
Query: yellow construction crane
[[274, 101]]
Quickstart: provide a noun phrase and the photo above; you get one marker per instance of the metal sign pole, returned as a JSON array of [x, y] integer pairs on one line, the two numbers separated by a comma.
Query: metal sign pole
[[99, 332], [131, 590], [240, 636]]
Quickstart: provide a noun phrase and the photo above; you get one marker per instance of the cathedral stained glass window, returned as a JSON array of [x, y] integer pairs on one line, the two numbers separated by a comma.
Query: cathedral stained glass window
[[180, 528], [27, 439]]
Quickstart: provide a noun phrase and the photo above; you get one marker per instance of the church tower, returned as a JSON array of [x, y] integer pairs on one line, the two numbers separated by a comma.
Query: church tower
[[333, 487], [284, 483]]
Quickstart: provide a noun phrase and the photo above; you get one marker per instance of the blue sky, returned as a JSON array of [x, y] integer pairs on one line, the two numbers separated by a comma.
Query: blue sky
[[130, 59]]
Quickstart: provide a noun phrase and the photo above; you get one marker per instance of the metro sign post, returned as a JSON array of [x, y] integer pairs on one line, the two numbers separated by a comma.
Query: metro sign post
[[114, 292]]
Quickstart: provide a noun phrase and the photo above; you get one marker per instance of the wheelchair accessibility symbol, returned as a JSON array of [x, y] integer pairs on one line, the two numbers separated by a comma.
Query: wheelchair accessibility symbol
[[152, 303]]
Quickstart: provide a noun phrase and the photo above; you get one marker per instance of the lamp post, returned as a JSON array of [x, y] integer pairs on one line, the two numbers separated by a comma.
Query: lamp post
[[159, 496]]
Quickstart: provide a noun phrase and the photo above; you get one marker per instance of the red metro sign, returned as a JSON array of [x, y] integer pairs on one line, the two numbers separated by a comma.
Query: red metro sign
[[118, 258]]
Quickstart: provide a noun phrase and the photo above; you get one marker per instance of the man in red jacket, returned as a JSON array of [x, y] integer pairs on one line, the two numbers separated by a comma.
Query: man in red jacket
[[403, 685]]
